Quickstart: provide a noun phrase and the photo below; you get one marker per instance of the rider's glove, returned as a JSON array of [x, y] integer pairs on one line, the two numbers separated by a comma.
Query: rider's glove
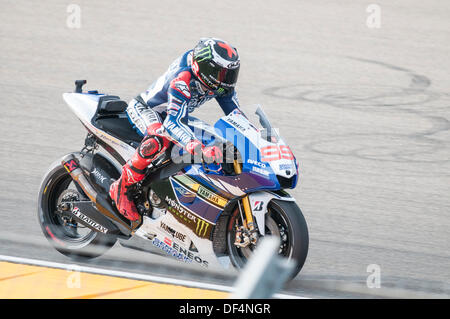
[[209, 154], [212, 154], [194, 147]]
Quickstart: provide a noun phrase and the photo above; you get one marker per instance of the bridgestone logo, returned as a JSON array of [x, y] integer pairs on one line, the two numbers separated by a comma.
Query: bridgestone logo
[[87, 220]]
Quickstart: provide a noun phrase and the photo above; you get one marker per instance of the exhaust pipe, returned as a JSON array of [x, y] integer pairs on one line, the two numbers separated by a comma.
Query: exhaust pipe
[[101, 201]]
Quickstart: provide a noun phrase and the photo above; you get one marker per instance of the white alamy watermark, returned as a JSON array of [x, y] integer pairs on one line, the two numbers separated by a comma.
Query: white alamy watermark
[[374, 279], [373, 20], [74, 278], [266, 152], [73, 20]]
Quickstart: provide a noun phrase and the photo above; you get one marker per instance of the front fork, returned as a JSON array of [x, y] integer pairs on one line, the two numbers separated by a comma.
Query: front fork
[[247, 234]]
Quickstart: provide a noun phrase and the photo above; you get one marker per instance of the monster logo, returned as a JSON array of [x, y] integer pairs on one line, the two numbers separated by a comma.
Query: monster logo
[[204, 54], [199, 226], [202, 228]]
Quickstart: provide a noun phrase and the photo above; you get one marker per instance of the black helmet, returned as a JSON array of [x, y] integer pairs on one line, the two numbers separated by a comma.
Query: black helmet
[[216, 64]]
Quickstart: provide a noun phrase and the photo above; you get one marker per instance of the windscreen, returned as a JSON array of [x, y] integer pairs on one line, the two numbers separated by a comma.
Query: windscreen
[[260, 120]]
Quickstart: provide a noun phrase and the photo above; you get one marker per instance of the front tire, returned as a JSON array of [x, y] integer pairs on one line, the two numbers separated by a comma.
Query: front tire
[[283, 220], [69, 239]]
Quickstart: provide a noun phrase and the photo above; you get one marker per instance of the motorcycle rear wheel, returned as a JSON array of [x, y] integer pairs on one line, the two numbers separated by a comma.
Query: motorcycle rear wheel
[[70, 239]]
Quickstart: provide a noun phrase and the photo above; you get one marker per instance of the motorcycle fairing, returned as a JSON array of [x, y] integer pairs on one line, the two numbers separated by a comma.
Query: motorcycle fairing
[[201, 200], [169, 191], [267, 157], [258, 204], [198, 227], [196, 230], [99, 176], [85, 107]]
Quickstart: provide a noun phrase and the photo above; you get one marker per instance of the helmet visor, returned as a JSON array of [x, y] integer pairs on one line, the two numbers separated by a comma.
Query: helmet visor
[[228, 77], [215, 76]]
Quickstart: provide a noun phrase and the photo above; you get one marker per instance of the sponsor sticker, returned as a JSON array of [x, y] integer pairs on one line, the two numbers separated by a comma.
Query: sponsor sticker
[[71, 165], [203, 228], [182, 254], [175, 234], [177, 131], [188, 182], [285, 166], [184, 192], [211, 196], [170, 251], [233, 65], [182, 87], [76, 211], [236, 124], [199, 226], [260, 171], [258, 206], [98, 175], [253, 162], [201, 191]]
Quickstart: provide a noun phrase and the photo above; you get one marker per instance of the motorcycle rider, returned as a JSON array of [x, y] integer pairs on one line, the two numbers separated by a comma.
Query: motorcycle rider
[[159, 114]]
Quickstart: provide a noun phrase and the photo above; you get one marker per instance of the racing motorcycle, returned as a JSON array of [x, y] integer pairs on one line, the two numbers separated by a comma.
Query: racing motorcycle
[[210, 214]]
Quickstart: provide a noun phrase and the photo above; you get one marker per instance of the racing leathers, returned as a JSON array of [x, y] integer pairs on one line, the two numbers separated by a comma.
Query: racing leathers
[[160, 115]]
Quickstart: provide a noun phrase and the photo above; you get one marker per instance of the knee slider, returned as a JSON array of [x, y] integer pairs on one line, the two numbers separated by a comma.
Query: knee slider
[[151, 146]]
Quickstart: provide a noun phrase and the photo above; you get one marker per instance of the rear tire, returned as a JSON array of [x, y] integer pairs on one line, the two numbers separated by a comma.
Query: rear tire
[[284, 220], [66, 239]]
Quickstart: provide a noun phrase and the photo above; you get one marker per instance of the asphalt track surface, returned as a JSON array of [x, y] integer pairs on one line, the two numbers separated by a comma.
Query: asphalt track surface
[[365, 110]]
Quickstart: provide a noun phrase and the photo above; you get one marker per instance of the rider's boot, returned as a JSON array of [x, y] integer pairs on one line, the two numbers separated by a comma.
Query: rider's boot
[[134, 171], [121, 192]]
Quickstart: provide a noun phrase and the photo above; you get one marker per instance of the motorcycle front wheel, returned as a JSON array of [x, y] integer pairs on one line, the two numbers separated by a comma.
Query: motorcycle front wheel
[[283, 220]]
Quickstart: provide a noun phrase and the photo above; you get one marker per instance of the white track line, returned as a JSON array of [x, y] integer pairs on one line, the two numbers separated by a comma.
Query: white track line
[[123, 274]]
